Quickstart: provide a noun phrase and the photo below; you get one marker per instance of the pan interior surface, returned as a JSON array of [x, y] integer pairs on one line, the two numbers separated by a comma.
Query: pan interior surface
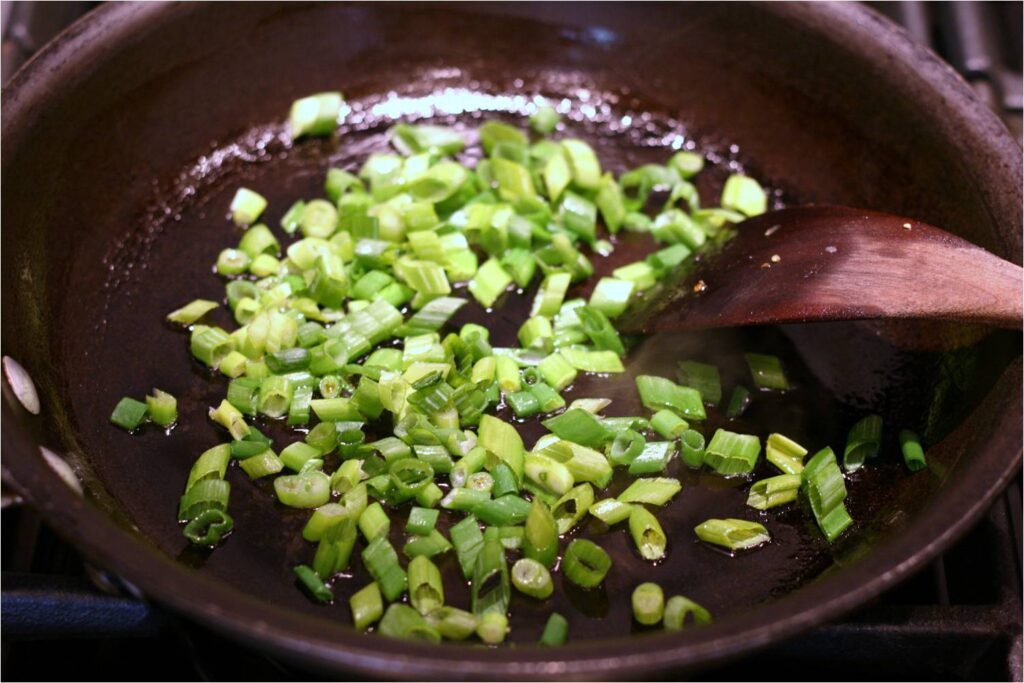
[[169, 263], [132, 220]]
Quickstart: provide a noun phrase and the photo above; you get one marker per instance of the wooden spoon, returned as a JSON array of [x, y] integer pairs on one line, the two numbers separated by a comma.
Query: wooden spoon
[[815, 263]]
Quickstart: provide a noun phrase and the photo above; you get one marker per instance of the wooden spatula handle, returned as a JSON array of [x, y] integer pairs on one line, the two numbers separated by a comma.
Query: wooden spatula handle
[[817, 263]]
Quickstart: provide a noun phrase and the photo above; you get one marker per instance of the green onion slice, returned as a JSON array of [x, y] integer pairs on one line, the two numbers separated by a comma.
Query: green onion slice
[[209, 527], [556, 631], [679, 609], [648, 601], [367, 606], [863, 442], [774, 491], [730, 453], [532, 578], [490, 591], [732, 534], [313, 583], [785, 453], [647, 534], [404, 622], [702, 377], [652, 490], [767, 371], [913, 454], [585, 563]]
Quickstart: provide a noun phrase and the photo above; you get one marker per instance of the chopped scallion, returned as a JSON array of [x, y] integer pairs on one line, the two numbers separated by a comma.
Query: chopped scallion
[[732, 534], [648, 602], [862, 442], [313, 583], [556, 631], [544, 120], [691, 445], [785, 453], [652, 490], [738, 402], [647, 534], [730, 453], [768, 493], [129, 413], [913, 454], [767, 371], [585, 563], [367, 606], [678, 609], [315, 115], [702, 377]]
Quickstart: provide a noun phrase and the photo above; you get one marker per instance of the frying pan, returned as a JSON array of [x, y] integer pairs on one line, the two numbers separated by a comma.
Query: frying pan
[[123, 139]]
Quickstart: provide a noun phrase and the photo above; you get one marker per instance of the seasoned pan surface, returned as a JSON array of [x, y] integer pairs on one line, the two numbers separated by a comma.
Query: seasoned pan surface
[[140, 217]]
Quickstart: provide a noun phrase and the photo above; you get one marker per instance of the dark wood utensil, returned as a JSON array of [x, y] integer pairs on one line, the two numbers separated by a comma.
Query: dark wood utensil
[[817, 263]]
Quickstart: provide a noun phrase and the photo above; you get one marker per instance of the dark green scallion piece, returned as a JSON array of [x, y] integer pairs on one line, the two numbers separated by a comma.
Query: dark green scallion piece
[[702, 377], [863, 442], [767, 371], [504, 481], [556, 631], [826, 490], [313, 583], [738, 402], [209, 527], [129, 413], [579, 426]]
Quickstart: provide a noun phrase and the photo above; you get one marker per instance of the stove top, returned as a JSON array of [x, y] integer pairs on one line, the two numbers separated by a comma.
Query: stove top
[[958, 619]]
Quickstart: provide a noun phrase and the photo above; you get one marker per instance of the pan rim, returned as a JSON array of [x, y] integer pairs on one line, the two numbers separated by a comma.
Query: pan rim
[[101, 539]]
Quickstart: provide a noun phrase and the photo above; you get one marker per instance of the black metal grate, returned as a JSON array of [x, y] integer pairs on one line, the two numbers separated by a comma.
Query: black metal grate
[[959, 619]]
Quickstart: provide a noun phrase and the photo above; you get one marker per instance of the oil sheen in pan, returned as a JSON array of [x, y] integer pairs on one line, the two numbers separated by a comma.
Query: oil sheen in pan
[[166, 260]]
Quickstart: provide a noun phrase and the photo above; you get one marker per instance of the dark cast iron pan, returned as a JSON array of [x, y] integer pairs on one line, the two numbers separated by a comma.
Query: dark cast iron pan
[[124, 138]]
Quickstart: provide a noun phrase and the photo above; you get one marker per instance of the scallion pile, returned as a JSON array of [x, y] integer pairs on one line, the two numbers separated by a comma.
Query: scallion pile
[[343, 331]]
